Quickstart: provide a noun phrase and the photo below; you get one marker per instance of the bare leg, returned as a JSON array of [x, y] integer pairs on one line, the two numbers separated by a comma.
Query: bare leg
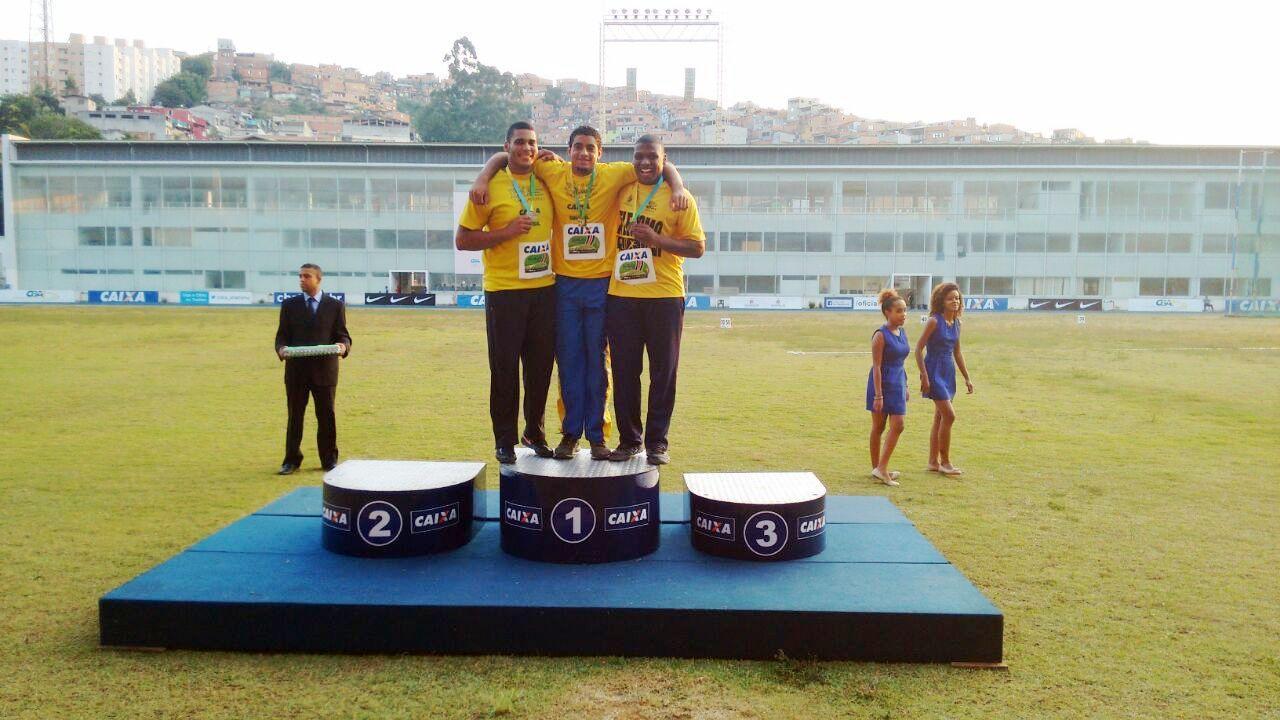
[[947, 417], [877, 427], [895, 431], [933, 437]]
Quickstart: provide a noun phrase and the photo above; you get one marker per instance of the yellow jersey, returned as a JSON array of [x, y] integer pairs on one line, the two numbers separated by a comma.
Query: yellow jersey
[[642, 272], [583, 248], [523, 262]]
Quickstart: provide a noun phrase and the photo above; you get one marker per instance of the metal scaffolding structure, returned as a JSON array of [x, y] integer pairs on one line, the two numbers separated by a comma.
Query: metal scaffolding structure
[[633, 26]]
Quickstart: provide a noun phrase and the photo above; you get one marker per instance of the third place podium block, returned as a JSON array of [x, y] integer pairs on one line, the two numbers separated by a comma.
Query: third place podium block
[[579, 510], [757, 516]]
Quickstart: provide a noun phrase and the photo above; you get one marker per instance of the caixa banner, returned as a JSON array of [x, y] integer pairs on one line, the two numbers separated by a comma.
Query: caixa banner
[[279, 297], [697, 302], [986, 303], [1065, 304], [124, 297], [471, 300], [1261, 306], [401, 299]]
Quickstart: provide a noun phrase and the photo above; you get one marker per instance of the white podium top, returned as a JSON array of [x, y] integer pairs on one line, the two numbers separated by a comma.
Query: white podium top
[[756, 488], [581, 466], [400, 475]]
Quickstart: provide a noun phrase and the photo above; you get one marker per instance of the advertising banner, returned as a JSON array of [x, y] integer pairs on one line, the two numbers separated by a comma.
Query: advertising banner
[[764, 302], [1065, 304], [1166, 305], [38, 296], [981, 304], [851, 302], [471, 300], [279, 297], [1259, 306], [697, 302], [401, 299], [124, 297], [215, 297]]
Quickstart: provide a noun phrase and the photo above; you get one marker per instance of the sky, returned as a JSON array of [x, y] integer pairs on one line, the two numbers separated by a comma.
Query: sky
[[1171, 73]]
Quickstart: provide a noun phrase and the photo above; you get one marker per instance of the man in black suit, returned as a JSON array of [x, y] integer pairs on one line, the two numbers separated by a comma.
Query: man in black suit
[[311, 318]]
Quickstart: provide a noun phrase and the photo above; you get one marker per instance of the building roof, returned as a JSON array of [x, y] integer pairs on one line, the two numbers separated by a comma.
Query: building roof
[[852, 156]]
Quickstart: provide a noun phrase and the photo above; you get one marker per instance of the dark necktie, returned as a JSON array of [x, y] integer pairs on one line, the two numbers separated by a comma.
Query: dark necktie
[[311, 302]]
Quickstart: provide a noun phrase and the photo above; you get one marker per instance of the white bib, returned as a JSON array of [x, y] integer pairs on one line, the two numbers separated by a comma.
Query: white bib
[[583, 242], [635, 266], [535, 259]]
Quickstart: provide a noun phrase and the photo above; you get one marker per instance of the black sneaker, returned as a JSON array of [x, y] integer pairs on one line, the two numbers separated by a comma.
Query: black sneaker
[[539, 447], [623, 453], [658, 455], [567, 448], [506, 455], [599, 451]]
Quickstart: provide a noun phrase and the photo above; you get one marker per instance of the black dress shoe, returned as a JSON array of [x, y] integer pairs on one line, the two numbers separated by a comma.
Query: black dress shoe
[[539, 447], [287, 469], [567, 448], [624, 452], [506, 455]]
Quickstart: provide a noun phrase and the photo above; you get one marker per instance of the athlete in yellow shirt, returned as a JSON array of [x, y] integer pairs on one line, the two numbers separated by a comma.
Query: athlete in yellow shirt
[[584, 193], [514, 231], [646, 302]]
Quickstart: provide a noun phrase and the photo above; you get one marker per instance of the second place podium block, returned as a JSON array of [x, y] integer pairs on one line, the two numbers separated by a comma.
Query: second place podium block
[[579, 510]]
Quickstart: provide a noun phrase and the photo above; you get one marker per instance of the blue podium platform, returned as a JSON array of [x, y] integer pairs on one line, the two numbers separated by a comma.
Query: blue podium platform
[[880, 591]]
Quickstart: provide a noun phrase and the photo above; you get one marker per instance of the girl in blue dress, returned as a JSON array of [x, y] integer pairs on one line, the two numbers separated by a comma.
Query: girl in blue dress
[[938, 355], [887, 384]]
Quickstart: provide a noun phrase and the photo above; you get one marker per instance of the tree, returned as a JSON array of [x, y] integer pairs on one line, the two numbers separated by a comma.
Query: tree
[[127, 99], [182, 90], [476, 105], [98, 99], [31, 116], [69, 86], [554, 97], [281, 72], [201, 65]]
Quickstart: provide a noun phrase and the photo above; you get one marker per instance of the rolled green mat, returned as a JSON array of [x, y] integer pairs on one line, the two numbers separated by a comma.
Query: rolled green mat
[[301, 351]]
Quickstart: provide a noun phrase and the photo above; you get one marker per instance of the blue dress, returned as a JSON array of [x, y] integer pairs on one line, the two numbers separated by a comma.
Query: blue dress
[[939, 359], [893, 377]]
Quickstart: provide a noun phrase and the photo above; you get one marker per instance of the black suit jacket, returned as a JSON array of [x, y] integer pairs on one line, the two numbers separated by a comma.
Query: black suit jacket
[[299, 327]]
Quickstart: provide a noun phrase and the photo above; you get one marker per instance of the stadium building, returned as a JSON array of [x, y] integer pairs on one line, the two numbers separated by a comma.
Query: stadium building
[[1072, 221]]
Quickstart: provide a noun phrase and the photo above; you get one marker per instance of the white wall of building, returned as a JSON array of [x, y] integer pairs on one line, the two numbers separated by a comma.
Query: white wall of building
[[15, 67]]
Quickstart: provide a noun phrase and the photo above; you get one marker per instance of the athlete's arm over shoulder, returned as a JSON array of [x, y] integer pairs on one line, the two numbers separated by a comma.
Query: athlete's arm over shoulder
[[480, 188]]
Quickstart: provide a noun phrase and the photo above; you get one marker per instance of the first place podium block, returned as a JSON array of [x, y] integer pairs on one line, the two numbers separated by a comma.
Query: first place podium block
[[579, 510], [398, 508]]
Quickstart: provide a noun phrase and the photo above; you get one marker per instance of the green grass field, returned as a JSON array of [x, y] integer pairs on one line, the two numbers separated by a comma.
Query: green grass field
[[1121, 506]]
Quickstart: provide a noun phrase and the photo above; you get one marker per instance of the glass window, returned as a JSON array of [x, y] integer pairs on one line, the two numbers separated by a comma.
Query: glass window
[[439, 240], [700, 283], [1179, 243], [177, 191], [1213, 286], [1093, 242], [351, 239], [411, 194], [62, 194], [762, 284], [31, 195], [93, 192], [1177, 286], [1123, 199], [294, 194], [1182, 200], [1151, 286], [819, 196], [1058, 242], [969, 285], [124, 236], [911, 197], [1118, 243], [351, 193], [762, 196], [703, 191], [733, 195], [998, 285], [1029, 242], [266, 193], [439, 197], [976, 202], [204, 192], [235, 192], [384, 239], [880, 196], [880, 242], [1028, 195], [792, 196], [1151, 243], [855, 242], [939, 196], [382, 194], [324, 238], [911, 242], [853, 196], [1091, 286], [1217, 196], [411, 239], [93, 236], [790, 242], [1002, 196], [817, 242], [1154, 200], [732, 284], [1093, 198], [324, 193], [293, 237]]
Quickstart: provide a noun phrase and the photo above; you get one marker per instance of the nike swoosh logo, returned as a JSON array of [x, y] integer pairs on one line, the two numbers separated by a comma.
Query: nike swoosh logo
[[399, 299], [1084, 306], [419, 301], [1060, 305], [1039, 305], [374, 299]]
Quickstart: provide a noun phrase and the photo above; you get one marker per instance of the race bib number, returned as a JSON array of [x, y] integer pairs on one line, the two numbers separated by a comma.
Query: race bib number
[[583, 242], [635, 266], [535, 259]]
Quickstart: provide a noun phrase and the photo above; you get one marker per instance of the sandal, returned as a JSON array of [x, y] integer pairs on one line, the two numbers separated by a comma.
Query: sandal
[[950, 471], [875, 473]]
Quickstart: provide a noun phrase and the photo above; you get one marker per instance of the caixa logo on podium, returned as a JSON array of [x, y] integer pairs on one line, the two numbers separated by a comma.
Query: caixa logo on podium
[[435, 518], [338, 518], [522, 516], [124, 297], [625, 518], [714, 526], [279, 297]]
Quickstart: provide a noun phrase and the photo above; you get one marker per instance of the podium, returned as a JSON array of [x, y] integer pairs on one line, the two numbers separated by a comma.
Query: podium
[[397, 508], [579, 510], [757, 516]]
